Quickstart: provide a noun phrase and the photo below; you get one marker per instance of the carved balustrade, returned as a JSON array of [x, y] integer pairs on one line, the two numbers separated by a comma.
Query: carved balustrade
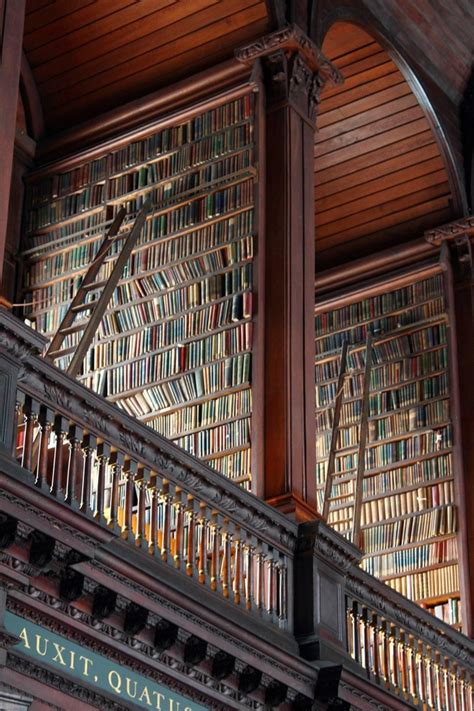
[[92, 457]]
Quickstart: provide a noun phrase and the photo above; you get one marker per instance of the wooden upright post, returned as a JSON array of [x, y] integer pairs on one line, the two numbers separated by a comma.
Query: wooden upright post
[[293, 73], [12, 14]]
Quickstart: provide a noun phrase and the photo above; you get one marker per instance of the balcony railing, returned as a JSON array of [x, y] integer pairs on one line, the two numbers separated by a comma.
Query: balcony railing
[[106, 468]]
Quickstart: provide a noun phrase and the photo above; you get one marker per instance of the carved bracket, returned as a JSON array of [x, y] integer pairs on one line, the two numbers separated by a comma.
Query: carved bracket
[[458, 235], [295, 68]]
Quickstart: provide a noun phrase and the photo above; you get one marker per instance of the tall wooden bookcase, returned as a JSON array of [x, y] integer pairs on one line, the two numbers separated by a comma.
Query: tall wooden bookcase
[[175, 346], [407, 505]]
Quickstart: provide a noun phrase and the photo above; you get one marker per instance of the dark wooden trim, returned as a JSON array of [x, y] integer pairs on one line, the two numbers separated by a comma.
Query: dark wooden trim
[[31, 100], [199, 88]]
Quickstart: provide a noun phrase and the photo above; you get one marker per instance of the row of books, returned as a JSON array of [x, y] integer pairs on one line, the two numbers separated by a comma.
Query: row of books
[[430, 414], [449, 611], [403, 561], [385, 326], [391, 398], [393, 346], [422, 586], [217, 315], [390, 373], [177, 160], [70, 181], [379, 305], [175, 137], [169, 362], [408, 448], [204, 414], [206, 442], [92, 226], [237, 465], [191, 178], [405, 502], [65, 207], [413, 528]]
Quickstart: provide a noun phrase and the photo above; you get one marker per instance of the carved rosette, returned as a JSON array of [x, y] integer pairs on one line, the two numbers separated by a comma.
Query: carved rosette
[[295, 69]]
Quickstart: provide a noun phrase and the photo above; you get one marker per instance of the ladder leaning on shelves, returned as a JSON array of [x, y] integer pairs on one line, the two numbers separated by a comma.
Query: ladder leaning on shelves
[[98, 305], [363, 434]]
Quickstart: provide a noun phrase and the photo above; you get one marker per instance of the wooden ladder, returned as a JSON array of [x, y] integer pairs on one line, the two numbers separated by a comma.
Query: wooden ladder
[[363, 432], [97, 306]]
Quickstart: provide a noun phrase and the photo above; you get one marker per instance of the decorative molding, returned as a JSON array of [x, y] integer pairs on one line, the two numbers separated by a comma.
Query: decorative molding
[[459, 235], [451, 230]]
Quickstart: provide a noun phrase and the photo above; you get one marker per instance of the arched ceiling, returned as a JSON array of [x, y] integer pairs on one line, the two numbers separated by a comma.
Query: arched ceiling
[[88, 56], [380, 177]]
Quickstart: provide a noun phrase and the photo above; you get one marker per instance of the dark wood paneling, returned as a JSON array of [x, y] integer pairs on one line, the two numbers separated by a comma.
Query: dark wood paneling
[[378, 167], [88, 57]]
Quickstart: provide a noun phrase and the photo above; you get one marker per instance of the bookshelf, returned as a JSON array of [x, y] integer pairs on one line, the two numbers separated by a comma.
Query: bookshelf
[[407, 510], [175, 346]]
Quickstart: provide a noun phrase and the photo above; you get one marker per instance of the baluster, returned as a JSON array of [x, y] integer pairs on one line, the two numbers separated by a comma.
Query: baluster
[[89, 448], [386, 653], [430, 679], [130, 471], [421, 669], [215, 549], [248, 572], [191, 515], [355, 635], [103, 455], [439, 685], [60, 429], [153, 524], [447, 687], [258, 562], [116, 464], [364, 617], [202, 546], [74, 464], [179, 532], [282, 591], [20, 426], [165, 536], [225, 573], [31, 413], [237, 566], [141, 480], [403, 661], [412, 679], [46, 424]]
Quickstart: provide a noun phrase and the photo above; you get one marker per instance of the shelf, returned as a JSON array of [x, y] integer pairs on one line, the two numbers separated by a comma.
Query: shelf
[[414, 571], [205, 398], [408, 546]]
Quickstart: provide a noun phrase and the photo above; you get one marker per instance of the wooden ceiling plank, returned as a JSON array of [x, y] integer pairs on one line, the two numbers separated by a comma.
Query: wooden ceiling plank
[[369, 159], [343, 38], [386, 216], [352, 192], [352, 123], [48, 13], [380, 197], [391, 236], [35, 5], [153, 49], [358, 66], [391, 121], [196, 58], [374, 143], [346, 60], [379, 98], [128, 25], [80, 13], [379, 69], [354, 94]]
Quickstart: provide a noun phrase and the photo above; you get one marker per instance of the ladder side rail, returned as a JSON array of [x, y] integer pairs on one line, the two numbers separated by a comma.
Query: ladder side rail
[[101, 305], [335, 429], [88, 278], [364, 426]]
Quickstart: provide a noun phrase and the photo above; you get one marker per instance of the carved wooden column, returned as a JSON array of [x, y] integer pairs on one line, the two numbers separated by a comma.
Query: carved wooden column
[[12, 14], [459, 237], [293, 72]]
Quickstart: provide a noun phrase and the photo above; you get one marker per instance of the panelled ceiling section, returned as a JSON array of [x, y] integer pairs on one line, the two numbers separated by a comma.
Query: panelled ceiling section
[[88, 56], [380, 178]]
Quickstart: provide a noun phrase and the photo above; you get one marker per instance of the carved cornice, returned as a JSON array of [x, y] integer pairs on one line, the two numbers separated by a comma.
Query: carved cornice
[[319, 538], [451, 230], [370, 592], [65, 395], [295, 68]]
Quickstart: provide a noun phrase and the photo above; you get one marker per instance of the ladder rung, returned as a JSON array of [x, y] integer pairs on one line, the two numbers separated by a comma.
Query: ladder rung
[[74, 329], [84, 307], [94, 285], [61, 352]]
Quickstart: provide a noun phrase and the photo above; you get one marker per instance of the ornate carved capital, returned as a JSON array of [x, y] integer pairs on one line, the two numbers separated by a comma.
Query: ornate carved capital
[[458, 235], [295, 68]]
